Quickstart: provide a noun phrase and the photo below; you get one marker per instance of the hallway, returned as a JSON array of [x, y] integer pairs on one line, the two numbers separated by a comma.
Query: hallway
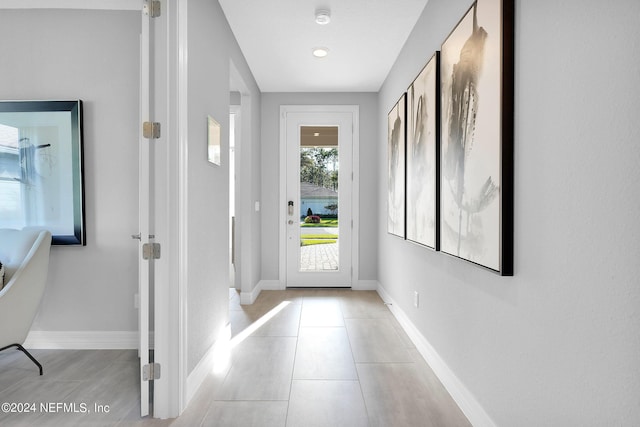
[[327, 358]]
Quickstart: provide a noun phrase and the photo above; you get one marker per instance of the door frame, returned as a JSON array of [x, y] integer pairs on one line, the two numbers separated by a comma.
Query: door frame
[[354, 110], [170, 108], [171, 208], [145, 186], [234, 256]]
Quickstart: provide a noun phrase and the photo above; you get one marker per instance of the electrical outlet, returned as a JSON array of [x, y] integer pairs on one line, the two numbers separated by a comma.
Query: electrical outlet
[[416, 299]]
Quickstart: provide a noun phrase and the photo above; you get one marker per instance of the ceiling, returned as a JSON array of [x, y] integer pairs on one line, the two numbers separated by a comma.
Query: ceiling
[[364, 39]]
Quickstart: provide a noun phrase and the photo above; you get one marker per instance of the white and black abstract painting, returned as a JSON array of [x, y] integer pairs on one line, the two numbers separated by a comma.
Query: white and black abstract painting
[[422, 143], [396, 169], [473, 140]]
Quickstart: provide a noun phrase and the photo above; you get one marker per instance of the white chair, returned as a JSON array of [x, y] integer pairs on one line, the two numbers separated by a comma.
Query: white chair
[[25, 256]]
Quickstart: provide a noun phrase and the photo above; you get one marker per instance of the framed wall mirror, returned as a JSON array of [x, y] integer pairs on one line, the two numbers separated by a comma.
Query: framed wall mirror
[[213, 141], [41, 168]]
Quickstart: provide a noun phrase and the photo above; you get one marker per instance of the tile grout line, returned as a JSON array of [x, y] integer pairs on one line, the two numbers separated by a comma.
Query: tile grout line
[[293, 368], [364, 401]]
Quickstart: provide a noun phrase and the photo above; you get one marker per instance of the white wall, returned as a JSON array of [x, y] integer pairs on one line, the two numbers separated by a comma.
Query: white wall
[[93, 56], [211, 47], [248, 174], [271, 103], [557, 344]]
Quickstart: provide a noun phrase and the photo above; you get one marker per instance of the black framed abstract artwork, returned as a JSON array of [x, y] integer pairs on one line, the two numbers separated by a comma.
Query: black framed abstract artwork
[[477, 137], [423, 149], [396, 168], [41, 168]]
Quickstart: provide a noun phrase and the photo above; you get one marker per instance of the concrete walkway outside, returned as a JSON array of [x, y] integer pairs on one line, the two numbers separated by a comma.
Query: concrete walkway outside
[[319, 257]]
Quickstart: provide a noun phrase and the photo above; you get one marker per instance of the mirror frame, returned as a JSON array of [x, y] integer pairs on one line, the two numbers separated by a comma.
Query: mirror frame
[[69, 152]]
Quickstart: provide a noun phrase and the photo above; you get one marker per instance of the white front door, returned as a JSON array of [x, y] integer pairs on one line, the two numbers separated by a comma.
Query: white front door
[[318, 206]]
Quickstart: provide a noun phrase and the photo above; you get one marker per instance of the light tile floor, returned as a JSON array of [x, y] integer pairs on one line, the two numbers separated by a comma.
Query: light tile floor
[[329, 358]]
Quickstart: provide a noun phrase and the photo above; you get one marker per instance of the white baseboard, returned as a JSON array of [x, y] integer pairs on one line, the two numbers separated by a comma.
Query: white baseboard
[[276, 285], [366, 285], [248, 298], [198, 375], [207, 363], [467, 402], [82, 340], [271, 285]]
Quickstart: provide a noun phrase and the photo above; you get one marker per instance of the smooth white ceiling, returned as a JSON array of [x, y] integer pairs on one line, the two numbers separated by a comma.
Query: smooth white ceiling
[[364, 39]]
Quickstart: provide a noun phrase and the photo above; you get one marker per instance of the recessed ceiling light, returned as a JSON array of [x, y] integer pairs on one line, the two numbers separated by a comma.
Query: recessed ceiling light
[[320, 52], [316, 134], [323, 16]]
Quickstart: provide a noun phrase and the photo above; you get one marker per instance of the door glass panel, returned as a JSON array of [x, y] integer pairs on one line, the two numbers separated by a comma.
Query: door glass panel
[[318, 199]]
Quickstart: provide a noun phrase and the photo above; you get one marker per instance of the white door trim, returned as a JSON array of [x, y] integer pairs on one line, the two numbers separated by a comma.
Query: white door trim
[[171, 219], [245, 210], [144, 210], [170, 50], [235, 263], [354, 110]]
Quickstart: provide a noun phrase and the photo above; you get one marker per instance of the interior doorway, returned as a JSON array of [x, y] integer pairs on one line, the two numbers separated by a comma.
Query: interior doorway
[[234, 120]]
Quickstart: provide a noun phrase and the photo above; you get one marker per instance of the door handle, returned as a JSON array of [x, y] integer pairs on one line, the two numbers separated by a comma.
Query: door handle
[[290, 207], [290, 222], [139, 236]]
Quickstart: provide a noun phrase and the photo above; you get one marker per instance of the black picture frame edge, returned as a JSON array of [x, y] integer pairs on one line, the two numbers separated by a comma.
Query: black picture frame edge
[[438, 146], [508, 138], [507, 127], [75, 108], [403, 99]]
